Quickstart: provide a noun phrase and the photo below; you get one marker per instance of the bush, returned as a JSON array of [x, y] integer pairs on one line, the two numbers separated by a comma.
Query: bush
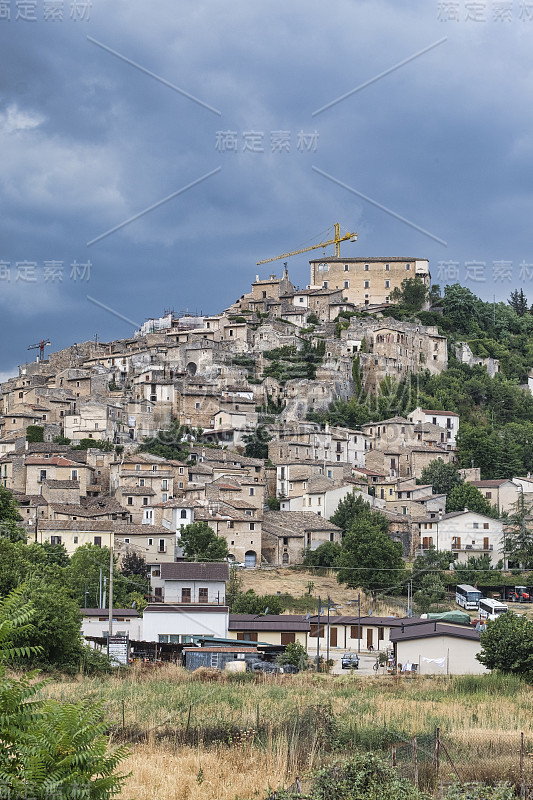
[[363, 777]]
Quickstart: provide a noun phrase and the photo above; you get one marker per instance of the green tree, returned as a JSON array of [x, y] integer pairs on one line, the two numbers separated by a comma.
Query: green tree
[[252, 603], [325, 555], [171, 443], [507, 645], [518, 534], [61, 440], [468, 496], [200, 543], [56, 632], [443, 477], [518, 302], [233, 587], [295, 654], [370, 559], [411, 295], [48, 748], [432, 590], [84, 576], [132, 564], [104, 446], [35, 433], [353, 508], [257, 443], [10, 517]]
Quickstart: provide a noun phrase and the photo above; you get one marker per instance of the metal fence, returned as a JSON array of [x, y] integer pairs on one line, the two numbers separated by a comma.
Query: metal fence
[[434, 762]]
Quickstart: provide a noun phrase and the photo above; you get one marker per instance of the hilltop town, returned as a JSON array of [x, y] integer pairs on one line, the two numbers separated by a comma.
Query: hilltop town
[[250, 375]]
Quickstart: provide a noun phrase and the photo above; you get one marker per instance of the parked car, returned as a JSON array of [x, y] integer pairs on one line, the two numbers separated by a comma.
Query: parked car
[[265, 666], [350, 661]]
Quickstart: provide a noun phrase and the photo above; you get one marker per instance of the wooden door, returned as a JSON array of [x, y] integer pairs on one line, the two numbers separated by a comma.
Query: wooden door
[[369, 638], [287, 637], [333, 637]]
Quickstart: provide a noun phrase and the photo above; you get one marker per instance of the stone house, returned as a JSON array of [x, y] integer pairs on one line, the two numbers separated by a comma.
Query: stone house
[[286, 534]]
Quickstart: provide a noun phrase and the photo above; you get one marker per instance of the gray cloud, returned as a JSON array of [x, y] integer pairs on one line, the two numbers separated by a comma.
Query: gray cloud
[[88, 141]]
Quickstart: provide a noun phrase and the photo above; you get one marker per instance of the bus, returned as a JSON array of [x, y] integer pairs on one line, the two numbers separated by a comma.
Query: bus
[[491, 609], [467, 596]]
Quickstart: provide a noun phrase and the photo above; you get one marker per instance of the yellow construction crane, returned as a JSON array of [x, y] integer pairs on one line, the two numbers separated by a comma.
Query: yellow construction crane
[[336, 241]]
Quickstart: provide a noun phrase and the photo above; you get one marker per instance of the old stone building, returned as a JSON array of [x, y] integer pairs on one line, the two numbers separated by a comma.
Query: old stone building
[[367, 281]]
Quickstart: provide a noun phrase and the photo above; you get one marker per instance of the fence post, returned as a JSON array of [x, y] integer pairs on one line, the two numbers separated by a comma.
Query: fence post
[[522, 782], [415, 761], [393, 755], [436, 753]]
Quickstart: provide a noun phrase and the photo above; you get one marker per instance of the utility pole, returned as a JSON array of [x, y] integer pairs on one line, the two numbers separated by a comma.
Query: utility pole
[[318, 637], [359, 618], [327, 634], [111, 565]]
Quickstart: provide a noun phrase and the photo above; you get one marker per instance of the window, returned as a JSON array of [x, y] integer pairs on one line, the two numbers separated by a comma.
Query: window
[[141, 481], [407, 266], [486, 526], [475, 525], [42, 475], [387, 284], [162, 548], [346, 268], [150, 543], [367, 267], [387, 267], [230, 523], [97, 541], [346, 284], [164, 484], [163, 638], [75, 540], [251, 491], [145, 501], [55, 540], [252, 526], [488, 495], [127, 541], [183, 514], [325, 284], [203, 595], [164, 497], [130, 501]]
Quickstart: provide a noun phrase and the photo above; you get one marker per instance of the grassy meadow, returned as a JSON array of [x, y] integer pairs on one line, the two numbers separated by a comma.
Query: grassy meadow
[[225, 737]]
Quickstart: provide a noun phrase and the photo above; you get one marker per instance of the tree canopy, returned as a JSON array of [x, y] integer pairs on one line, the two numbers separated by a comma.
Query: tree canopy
[[443, 477], [370, 559], [507, 645], [200, 543]]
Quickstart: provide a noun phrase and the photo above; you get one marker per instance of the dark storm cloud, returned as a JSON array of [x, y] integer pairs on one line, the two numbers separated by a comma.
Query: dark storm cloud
[[89, 141]]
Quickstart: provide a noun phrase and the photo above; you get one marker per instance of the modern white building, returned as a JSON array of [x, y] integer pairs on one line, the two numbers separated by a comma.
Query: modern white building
[[466, 533]]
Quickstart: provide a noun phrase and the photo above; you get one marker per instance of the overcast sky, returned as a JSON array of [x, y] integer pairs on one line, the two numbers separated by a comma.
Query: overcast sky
[[260, 125]]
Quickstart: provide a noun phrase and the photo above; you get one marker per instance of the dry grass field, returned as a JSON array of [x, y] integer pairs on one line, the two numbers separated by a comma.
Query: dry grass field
[[295, 583], [220, 737]]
